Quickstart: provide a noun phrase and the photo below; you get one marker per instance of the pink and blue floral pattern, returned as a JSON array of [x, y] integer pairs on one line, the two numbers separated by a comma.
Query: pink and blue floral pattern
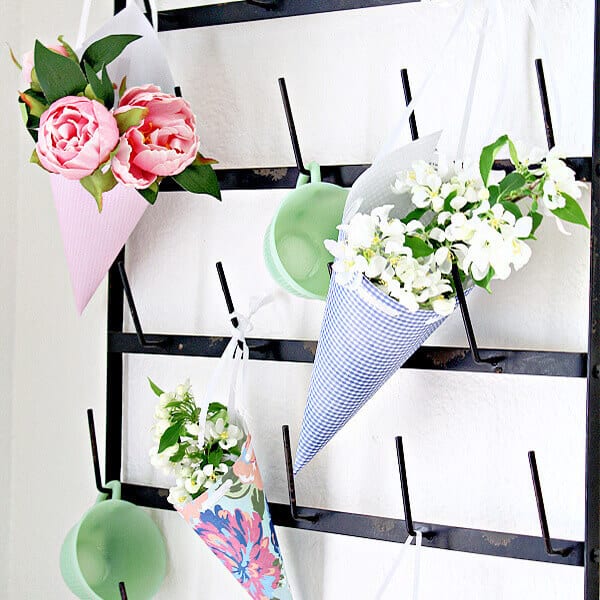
[[239, 530]]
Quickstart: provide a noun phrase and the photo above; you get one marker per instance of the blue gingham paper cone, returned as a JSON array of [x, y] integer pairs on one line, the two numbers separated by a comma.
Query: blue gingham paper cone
[[365, 338]]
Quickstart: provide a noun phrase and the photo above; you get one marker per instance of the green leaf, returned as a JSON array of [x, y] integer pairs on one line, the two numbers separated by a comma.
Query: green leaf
[[97, 183], [102, 88], [418, 246], [536, 221], [513, 153], [171, 436], [58, 75], [511, 183], [68, 49], [35, 159], [414, 215], [105, 50], [488, 155], [512, 208], [494, 191], [179, 454], [155, 388], [485, 282], [199, 179], [123, 86], [150, 193], [448, 200], [216, 457], [14, 59], [130, 118], [215, 407], [571, 212], [34, 106]]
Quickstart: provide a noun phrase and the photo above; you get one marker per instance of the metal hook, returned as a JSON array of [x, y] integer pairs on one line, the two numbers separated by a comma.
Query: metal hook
[[410, 527], [289, 467], [268, 4], [227, 294], [462, 301], [95, 458], [412, 120], [144, 342], [291, 126], [177, 91], [535, 477], [539, 68], [148, 11], [122, 590]]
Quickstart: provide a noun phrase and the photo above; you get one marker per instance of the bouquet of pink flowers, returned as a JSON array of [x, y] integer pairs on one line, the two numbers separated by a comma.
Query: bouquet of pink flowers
[[82, 134]]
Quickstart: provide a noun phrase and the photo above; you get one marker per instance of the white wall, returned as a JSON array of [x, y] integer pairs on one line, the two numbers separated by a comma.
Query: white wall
[[466, 435]]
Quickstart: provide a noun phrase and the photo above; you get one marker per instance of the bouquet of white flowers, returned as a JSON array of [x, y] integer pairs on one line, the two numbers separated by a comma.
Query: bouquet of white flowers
[[392, 283]]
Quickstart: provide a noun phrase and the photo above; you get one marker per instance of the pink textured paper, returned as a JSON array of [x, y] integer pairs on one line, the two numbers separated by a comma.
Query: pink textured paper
[[91, 239]]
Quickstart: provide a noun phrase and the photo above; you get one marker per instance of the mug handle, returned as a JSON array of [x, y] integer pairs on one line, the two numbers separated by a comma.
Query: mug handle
[[315, 175], [115, 487]]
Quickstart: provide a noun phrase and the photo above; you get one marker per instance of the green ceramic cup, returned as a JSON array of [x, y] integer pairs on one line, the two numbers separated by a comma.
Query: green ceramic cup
[[293, 244], [114, 541]]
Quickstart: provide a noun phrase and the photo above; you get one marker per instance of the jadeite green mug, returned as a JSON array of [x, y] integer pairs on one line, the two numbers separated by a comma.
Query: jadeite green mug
[[293, 246], [114, 541]]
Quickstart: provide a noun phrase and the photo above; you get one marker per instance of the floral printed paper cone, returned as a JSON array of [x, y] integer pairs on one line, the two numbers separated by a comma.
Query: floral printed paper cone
[[91, 239], [366, 335], [234, 522]]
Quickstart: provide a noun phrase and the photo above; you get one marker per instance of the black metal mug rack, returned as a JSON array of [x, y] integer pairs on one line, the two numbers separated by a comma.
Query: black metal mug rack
[[584, 553]]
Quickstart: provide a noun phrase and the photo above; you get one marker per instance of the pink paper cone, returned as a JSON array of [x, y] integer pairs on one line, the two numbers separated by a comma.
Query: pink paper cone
[[91, 239]]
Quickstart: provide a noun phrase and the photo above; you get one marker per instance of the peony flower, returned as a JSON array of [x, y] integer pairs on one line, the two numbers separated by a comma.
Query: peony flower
[[75, 137], [163, 144], [27, 62]]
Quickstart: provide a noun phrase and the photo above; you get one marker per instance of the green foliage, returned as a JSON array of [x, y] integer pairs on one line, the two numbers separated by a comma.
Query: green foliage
[[155, 388], [58, 75], [97, 183], [571, 212], [171, 436], [485, 282], [102, 88], [488, 155], [199, 178], [150, 193], [105, 50], [418, 246]]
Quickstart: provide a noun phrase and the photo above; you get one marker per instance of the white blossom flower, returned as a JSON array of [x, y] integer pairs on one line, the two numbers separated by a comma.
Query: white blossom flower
[[560, 179], [195, 481], [178, 495], [228, 436], [163, 460], [348, 264], [360, 231], [213, 474], [443, 306]]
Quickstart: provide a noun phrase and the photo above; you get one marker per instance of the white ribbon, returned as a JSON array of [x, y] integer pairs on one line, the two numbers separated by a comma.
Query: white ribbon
[[234, 359], [400, 561], [494, 12], [85, 17]]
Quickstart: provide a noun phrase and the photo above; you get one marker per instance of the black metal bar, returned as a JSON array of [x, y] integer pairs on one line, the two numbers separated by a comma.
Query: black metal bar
[[95, 456], [119, 5], [291, 126], [412, 120], [460, 539], [142, 339], [539, 499], [268, 4], [286, 177], [289, 469], [240, 12], [434, 358], [592, 444], [114, 376], [177, 90], [122, 590], [464, 309], [539, 68], [227, 294]]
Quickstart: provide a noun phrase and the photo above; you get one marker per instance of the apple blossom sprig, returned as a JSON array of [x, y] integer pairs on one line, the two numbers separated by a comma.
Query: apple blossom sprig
[[198, 465], [479, 220], [68, 110]]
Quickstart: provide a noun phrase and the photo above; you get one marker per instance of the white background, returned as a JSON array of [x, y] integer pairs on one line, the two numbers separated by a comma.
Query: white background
[[466, 436]]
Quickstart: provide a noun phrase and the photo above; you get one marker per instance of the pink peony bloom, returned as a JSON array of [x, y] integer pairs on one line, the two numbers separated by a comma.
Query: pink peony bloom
[[27, 62], [76, 136], [246, 467], [163, 144]]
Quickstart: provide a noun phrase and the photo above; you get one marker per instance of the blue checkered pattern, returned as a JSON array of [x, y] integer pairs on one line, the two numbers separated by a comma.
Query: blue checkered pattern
[[365, 337]]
